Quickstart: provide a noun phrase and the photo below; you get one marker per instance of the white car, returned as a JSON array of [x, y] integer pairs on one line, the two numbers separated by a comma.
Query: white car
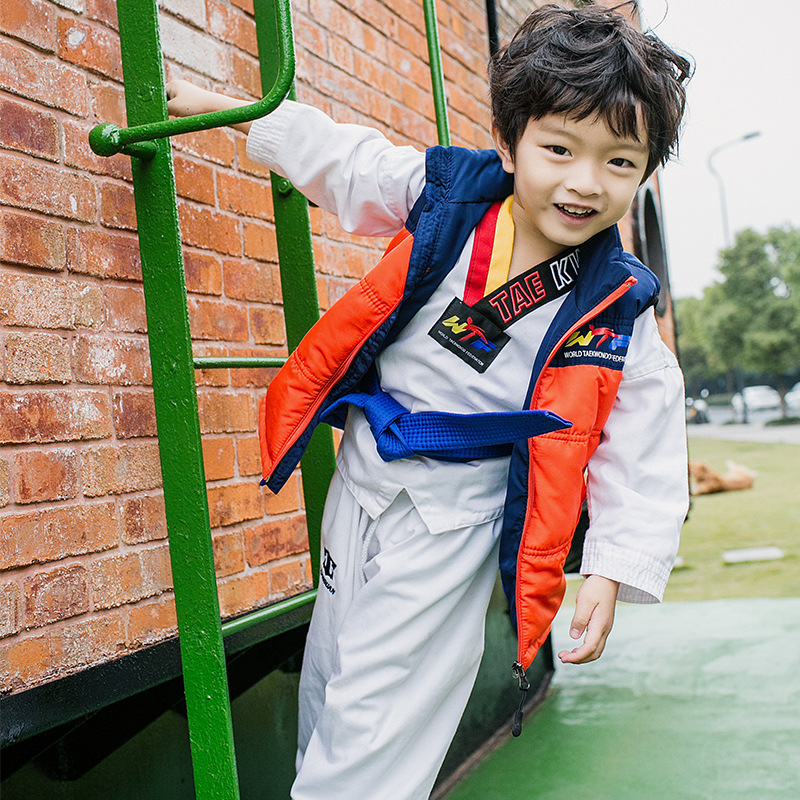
[[793, 397], [757, 398]]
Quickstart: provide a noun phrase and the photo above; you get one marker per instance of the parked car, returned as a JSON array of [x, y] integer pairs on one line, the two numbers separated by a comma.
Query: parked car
[[696, 411], [793, 397], [757, 398]]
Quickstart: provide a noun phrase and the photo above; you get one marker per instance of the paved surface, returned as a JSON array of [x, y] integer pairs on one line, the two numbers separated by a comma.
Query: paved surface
[[690, 700], [754, 432]]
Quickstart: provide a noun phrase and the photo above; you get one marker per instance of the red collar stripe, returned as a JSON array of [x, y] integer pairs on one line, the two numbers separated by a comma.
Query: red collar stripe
[[481, 258]]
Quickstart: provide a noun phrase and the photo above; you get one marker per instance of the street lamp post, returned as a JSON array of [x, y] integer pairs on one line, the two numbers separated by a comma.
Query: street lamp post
[[722, 200]]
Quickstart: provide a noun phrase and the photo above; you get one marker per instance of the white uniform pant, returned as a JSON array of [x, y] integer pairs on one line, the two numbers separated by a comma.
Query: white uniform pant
[[393, 649]]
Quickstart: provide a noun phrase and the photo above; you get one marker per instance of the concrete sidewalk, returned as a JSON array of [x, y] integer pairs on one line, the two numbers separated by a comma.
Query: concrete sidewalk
[[754, 432], [690, 700]]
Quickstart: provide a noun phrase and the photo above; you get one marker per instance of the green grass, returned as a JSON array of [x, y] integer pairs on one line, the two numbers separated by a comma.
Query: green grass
[[767, 514]]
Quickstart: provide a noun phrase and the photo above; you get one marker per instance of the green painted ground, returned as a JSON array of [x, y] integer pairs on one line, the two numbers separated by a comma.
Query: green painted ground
[[689, 701], [695, 699]]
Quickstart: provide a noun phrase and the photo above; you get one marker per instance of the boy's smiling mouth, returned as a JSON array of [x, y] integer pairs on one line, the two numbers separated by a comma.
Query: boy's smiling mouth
[[576, 212]]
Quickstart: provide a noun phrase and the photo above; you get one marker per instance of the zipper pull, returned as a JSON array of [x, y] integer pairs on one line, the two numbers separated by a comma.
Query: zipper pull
[[519, 673]]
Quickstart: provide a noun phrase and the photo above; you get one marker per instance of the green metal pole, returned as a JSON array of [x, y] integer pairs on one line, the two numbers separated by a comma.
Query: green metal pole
[[437, 74], [202, 654], [298, 282]]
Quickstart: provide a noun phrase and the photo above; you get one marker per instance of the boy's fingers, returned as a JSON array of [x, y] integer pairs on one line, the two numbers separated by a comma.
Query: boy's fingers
[[580, 620]]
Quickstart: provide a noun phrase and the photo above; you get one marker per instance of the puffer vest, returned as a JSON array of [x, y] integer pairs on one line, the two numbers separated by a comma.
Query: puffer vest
[[575, 373]]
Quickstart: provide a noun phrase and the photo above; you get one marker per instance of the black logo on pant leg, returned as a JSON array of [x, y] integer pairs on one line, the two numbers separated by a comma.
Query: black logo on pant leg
[[326, 570]]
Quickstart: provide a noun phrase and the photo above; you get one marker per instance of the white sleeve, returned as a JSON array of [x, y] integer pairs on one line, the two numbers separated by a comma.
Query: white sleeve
[[351, 170], [638, 485]]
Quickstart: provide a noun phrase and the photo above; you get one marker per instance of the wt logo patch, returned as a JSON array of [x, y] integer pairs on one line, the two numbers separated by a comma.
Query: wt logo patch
[[327, 568], [473, 337]]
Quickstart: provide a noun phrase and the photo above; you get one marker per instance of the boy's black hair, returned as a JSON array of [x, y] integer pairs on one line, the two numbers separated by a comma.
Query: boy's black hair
[[584, 62]]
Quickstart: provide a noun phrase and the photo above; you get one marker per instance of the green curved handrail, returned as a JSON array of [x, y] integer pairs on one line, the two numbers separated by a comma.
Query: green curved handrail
[[108, 139]]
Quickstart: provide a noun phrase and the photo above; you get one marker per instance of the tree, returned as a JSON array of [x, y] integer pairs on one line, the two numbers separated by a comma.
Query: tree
[[753, 314], [750, 320]]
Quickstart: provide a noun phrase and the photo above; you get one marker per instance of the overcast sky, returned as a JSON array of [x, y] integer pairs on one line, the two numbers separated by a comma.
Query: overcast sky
[[747, 63]]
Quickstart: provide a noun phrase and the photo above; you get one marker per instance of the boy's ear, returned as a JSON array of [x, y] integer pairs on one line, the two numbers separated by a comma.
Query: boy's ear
[[503, 151]]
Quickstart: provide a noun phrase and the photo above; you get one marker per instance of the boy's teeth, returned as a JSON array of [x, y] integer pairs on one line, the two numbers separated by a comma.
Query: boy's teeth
[[575, 211]]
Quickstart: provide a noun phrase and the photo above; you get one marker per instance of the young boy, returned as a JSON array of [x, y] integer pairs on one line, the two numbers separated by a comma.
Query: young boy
[[500, 364]]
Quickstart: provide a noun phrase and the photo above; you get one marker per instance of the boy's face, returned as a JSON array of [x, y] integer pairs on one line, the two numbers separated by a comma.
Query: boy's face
[[572, 179]]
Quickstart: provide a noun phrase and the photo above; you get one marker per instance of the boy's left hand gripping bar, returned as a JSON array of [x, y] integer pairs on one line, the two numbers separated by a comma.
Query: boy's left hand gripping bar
[[108, 139]]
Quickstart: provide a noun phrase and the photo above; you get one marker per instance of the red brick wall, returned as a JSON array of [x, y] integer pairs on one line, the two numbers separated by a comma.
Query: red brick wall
[[84, 562], [83, 551]]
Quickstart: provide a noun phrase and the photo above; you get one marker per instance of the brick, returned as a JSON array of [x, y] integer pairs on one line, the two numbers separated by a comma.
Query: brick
[[5, 486], [10, 615], [218, 458], [260, 242], [201, 227], [193, 49], [267, 326], [89, 642], [125, 309], [117, 209], [190, 10], [228, 553], [45, 475], [55, 594], [203, 273], [244, 163], [152, 621], [143, 519], [104, 254], [32, 241], [134, 414], [286, 501], [255, 376], [240, 194], [245, 73], [245, 5], [24, 662], [108, 104], [248, 281], [26, 128], [126, 578], [36, 186], [32, 21], [49, 82], [124, 362], [238, 595], [288, 578], [232, 27], [90, 46], [56, 533], [54, 416], [276, 539], [248, 455], [231, 504], [215, 145], [37, 358], [33, 302], [226, 412], [212, 319], [120, 469], [194, 180], [104, 11]]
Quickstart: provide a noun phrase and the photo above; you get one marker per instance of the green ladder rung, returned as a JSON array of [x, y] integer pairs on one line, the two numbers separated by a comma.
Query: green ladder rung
[[238, 362]]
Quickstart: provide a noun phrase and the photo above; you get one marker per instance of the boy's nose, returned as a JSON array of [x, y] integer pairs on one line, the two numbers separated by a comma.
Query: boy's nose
[[583, 179]]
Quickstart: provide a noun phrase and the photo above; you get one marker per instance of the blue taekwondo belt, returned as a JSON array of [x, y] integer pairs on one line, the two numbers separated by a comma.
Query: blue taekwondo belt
[[447, 437]]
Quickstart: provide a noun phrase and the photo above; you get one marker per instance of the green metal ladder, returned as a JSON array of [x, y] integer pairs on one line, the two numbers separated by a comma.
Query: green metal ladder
[[146, 141]]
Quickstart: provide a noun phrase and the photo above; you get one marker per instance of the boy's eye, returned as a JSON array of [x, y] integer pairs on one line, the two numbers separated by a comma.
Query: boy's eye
[[558, 149], [622, 162]]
